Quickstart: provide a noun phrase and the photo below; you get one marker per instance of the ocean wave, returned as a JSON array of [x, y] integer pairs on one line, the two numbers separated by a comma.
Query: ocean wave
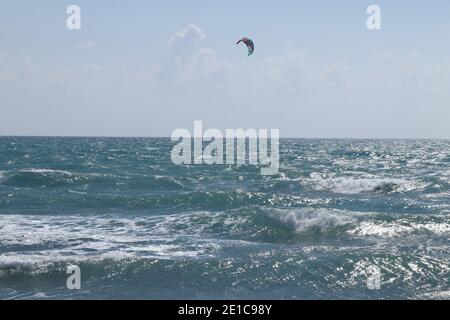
[[258, 223], [197, 200], [201, 233], [167, 182], [186, 201], [270, 247], [46, 171], [356, 185], [314, 220], [28, 239], [198, 233], [49, 177], [37, 239]]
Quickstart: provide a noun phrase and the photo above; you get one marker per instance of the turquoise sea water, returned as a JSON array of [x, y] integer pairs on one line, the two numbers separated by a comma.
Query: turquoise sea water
[[140, 227]]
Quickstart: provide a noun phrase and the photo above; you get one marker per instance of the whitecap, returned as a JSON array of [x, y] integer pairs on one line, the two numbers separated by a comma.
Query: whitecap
[[355, 185], [44, 171], [307, 219]]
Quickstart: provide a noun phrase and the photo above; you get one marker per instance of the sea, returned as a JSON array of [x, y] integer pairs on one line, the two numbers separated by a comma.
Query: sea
[[342, 219]]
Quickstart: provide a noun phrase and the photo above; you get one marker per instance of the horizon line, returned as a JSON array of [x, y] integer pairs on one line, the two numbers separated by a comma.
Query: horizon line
[[168, 137]]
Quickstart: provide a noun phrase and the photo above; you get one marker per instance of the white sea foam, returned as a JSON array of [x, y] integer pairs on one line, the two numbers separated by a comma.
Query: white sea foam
[[33, 170], [361, 224], [39, 239], [355, 185], [312, 219], [399, 228]]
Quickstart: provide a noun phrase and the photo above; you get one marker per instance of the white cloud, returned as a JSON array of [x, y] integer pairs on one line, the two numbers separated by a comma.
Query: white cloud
[[189, 33], [291, 71], [185, 43]]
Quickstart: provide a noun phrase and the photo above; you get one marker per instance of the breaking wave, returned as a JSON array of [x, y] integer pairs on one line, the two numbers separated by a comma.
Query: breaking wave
[[28, 238], [354, 185]]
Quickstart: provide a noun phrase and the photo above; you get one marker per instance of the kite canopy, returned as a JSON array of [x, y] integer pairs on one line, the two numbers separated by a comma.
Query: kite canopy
[[249, 43]]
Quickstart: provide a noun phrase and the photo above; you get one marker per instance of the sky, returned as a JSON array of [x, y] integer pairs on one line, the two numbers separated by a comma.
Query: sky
[[146, 68]]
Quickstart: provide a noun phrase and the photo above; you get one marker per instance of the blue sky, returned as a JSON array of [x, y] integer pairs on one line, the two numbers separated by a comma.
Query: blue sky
[[145, 68]]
